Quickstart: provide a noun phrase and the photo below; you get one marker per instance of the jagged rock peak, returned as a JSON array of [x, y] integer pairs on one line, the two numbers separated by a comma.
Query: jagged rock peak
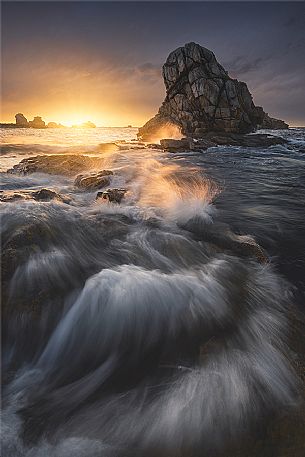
[[201, 97]]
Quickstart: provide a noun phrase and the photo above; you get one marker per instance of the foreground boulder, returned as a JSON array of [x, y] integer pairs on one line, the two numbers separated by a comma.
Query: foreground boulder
[[60, 164], [93, 181], [111, 195], [201, 97]]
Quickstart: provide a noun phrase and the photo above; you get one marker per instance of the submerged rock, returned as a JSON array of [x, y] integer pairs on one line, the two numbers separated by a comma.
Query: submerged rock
[[55, 164], [223, 239], [93, 181], [111, 195], [201, 97]]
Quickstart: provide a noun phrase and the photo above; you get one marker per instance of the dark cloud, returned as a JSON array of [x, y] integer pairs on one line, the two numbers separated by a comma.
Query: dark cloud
[[241, 65]]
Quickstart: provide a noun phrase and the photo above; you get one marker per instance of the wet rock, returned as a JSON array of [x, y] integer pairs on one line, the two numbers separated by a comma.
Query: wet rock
[[201, 97], [57, 164], [185, 144], [111, 195], [203, 144], [154, 146], [93, 181], [220, 235], [225, 139], [246, 246], [44, 195], [11, 196], [253, 140]]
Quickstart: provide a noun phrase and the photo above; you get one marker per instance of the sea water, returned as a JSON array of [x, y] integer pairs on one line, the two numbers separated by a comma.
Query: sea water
[[150, 336]]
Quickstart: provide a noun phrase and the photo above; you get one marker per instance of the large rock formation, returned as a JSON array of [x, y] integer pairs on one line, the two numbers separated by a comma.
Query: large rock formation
[[21, 120], [37, 123], [201, 97]]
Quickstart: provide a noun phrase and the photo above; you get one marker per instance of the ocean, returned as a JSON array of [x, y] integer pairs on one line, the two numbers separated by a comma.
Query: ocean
[[149, 327]]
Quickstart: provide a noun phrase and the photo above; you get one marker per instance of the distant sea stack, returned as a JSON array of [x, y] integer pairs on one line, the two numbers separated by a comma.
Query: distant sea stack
[[21, 120], [201, 97], [37, 123], [54, 125]]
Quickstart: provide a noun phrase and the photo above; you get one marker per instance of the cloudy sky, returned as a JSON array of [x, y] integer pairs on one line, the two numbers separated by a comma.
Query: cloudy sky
[[99, 61]]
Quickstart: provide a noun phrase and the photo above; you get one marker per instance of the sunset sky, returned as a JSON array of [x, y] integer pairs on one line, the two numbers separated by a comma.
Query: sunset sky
[[75, 61]]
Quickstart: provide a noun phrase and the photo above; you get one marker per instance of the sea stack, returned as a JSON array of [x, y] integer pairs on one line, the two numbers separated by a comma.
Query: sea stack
[[21, 120], [37, 123], [201, 97]]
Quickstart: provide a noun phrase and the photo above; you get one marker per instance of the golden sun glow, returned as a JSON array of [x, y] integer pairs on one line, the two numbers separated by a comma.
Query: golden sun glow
[[70, 119]]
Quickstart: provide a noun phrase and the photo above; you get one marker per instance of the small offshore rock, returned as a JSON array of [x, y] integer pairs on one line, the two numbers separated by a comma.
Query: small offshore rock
[[111, 195], [93, 181]]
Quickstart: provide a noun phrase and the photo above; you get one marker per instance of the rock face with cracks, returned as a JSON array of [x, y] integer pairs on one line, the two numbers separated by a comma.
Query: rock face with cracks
[[201, 97]]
